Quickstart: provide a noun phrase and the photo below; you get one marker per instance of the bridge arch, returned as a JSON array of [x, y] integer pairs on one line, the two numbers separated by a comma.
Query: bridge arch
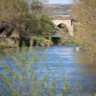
[[67, 22]]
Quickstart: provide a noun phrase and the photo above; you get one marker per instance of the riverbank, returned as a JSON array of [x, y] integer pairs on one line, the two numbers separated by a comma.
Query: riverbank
[[12, 42]]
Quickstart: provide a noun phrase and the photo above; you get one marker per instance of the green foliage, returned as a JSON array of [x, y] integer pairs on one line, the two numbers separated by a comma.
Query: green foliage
[[46, 25], [11, 11], [42, 41], [22, 79], [85, 13], [26, 20], [56, 28], [2, 44], [36, 6], [38, 27]]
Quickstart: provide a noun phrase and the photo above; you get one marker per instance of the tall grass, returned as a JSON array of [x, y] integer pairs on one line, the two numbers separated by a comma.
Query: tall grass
[[28, 74]]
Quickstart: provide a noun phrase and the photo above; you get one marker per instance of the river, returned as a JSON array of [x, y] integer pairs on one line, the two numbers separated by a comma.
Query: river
[[65, 59]]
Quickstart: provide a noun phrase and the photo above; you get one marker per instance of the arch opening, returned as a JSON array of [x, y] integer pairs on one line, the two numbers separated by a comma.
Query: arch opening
[[63, 26]]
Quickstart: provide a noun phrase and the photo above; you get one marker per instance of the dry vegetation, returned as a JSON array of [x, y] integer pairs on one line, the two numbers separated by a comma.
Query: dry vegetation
[[85, 14]]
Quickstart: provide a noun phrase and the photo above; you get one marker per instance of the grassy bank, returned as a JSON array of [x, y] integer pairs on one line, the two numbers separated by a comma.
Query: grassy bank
[[63, 40], [41, 41]]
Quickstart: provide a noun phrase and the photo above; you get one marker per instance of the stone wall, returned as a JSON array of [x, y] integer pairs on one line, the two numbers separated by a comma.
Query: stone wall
[[68, 23]]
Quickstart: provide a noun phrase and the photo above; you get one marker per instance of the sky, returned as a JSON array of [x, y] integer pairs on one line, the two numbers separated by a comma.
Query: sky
[[59, 1]]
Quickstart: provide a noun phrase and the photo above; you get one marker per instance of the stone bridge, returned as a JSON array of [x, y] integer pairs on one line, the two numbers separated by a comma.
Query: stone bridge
[[67, 22]]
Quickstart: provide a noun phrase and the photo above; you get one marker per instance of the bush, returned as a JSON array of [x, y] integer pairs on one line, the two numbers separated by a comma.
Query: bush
[[85, 14]]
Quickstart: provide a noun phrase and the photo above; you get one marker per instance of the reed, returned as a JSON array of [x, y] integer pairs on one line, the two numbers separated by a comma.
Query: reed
[[28, 74]]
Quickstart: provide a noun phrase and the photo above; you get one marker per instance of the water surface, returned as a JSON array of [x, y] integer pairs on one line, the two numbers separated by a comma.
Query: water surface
[[62, 58]]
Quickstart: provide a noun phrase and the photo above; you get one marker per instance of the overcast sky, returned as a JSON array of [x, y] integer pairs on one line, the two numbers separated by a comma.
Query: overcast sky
[[60, 1]]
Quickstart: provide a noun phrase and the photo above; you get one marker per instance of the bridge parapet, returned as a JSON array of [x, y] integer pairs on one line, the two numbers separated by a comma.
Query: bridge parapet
[[55, 18]]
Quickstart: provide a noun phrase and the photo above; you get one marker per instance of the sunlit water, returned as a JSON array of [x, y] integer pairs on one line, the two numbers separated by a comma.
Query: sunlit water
[[67, 61]]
